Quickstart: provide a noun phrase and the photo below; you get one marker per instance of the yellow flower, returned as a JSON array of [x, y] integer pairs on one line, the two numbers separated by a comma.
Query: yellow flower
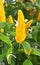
[[2, 13], [2, 30], [26, 52], [39, 16], [10, 19], [22, 28]]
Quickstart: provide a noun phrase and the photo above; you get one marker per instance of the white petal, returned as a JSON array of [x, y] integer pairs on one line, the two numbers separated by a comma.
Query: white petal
[[16, 24], [30, 30], [15, 21], [37, 23], [3, 1], [26, 20], [36, 47], [13, 0]]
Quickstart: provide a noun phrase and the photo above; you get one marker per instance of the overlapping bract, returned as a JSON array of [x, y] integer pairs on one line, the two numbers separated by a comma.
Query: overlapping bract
[[10, 19], [2, 13], [22, 28]]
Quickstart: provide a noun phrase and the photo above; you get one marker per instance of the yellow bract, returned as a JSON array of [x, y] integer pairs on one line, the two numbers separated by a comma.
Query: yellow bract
[[26, 52], [2, 30], [10, 19], [28, 23], [2, 13], [39, 16], [22, 28]]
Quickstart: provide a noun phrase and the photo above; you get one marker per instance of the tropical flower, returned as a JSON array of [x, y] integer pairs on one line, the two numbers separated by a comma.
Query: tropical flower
[[10, 19], [21, 28], [39, 16], [2, 13]]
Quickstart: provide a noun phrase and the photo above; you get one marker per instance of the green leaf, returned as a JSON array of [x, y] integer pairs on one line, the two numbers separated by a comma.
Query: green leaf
[[38, 36], [36, 51], [27, 62], [26, 45], [11, 33], [4, 51], [9, 55], [34, 35], [1, 58], [2, 25], [38, 25], [5, 39], [38, 3]]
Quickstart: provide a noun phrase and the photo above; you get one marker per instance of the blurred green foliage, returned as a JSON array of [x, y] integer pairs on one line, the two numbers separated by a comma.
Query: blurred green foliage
[[12, 53]]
